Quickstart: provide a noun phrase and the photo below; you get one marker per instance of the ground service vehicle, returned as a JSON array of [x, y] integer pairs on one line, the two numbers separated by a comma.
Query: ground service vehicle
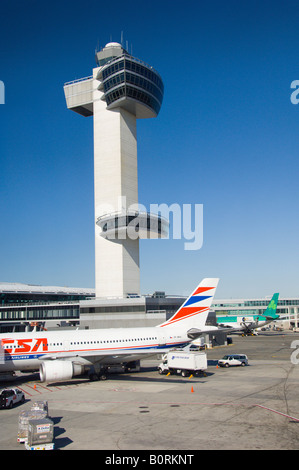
[[233, 360], [11, 396], [185, 363]]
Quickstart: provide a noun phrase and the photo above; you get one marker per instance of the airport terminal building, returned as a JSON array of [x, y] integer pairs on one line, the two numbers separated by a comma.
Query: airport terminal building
[[24, 306]]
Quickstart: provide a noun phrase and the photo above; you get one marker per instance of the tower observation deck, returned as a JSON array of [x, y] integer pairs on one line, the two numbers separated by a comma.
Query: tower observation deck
[[121, 90]]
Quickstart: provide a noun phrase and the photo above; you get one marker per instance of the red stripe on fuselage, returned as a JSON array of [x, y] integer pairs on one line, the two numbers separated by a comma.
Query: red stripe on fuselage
[[96, 350]]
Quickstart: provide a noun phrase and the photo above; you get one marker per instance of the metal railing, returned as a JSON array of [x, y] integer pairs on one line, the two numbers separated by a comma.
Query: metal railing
[[79, 80]]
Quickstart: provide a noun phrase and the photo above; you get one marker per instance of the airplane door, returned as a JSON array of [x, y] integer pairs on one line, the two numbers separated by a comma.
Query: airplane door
[[162, 340], [66, 345]]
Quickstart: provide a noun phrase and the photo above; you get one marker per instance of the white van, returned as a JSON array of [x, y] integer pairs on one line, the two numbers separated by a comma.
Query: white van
[[233, 360]]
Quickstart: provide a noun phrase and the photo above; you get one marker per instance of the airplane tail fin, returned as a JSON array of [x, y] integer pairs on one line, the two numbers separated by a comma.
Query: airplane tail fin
[[271, 309], [193, 313]]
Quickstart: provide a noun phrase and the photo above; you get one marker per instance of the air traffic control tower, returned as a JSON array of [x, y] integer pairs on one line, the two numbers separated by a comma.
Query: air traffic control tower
[[121, 90]]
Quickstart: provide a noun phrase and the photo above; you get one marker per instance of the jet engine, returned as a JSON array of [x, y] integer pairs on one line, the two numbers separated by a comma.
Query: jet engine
[[53, 371]]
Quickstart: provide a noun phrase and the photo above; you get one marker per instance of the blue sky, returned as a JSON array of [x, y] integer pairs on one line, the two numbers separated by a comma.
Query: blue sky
[[226, 137]]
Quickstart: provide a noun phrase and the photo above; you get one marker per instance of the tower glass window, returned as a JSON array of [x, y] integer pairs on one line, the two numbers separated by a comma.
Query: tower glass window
[[125, 77]]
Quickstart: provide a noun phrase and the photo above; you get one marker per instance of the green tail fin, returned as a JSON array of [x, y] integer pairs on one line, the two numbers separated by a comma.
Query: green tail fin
[[271, 309]]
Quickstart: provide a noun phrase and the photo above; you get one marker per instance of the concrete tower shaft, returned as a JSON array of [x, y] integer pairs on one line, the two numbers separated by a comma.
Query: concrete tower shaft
[[121, 90]]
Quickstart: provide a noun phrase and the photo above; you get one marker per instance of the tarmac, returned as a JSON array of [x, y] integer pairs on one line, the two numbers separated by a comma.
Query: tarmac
[[246, 408]]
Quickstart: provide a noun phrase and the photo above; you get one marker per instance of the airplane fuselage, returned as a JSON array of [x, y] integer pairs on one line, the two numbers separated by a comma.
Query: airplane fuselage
[[21, 351]]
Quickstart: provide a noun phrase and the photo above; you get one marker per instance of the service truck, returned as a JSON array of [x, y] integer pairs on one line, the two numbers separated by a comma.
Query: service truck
[[185, 363], [11, 396]]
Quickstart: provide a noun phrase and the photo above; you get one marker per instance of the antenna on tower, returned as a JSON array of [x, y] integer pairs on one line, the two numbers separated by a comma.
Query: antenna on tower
[[122, 38], [127, 45]]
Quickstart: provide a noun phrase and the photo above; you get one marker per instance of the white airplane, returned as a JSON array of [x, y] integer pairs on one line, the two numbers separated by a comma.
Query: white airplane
[[247, 325], [61, 355]]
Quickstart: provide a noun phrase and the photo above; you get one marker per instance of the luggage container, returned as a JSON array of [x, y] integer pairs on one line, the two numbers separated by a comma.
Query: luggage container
[[40, 406], [40, 434], [24, 418]]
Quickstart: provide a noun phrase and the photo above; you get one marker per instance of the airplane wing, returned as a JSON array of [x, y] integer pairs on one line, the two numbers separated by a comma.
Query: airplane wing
[[109, 358], [195, 333]]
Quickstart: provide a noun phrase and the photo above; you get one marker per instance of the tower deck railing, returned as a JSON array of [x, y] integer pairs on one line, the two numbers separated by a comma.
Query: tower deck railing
[[79, 80]]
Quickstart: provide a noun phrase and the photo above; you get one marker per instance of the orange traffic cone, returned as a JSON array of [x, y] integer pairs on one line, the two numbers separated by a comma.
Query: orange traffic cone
[[192, 391]]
